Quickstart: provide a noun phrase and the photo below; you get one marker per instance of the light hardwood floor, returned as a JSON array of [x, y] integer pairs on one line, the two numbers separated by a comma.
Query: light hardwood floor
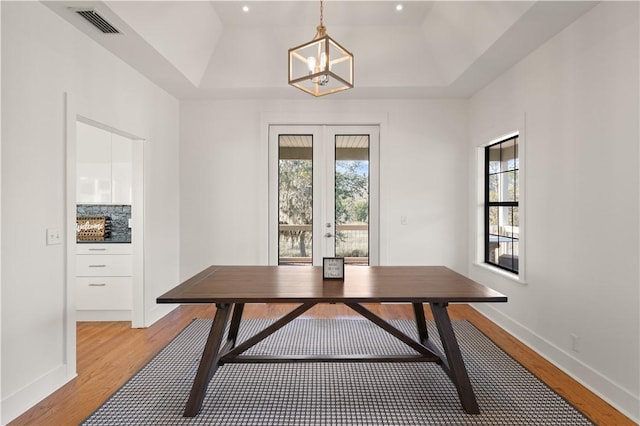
[[109, 353]]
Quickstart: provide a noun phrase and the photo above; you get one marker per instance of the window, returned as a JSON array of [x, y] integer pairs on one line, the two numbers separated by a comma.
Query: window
[[501, 218]]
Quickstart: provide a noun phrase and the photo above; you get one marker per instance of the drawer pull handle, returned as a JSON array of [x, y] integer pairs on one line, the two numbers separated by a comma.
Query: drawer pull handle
[[97, 266], [97, 284], [97, 249]]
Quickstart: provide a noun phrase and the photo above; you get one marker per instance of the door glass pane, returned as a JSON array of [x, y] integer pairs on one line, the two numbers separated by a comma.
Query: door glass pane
[[295, 199], [352, 198]]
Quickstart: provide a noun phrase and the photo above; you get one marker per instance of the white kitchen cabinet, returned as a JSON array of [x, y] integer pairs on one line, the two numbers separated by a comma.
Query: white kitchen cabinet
[[103, 166], [121, 170], [104, 282], [104, 294], [103, 265], [93, 171]]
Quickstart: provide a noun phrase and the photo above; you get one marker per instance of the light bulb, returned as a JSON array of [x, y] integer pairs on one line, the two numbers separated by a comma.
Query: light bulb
[[311, 63], [323, 60]]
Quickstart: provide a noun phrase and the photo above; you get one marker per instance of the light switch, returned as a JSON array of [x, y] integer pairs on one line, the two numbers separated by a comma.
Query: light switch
[[54, 236]]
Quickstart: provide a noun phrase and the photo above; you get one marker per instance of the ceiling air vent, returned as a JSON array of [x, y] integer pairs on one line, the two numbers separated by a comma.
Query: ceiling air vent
[[97, 21]]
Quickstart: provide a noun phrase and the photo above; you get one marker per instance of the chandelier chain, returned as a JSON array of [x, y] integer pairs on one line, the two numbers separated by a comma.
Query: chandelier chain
[[321, 31]]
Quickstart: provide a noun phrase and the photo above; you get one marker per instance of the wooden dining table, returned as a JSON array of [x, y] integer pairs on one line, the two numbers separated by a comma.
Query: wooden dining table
[[231, 287]]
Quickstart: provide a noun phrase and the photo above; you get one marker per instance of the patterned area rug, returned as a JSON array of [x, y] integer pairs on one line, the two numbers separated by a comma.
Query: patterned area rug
[[334, 393]]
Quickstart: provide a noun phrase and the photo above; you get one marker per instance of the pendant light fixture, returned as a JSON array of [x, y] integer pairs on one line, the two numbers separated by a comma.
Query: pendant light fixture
[[321, 66]]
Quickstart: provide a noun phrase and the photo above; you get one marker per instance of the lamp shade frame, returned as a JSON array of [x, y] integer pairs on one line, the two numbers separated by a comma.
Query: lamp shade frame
[[316, 89]]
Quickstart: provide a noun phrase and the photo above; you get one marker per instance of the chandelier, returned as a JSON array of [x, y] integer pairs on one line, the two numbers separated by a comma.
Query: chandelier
[[321, 66]]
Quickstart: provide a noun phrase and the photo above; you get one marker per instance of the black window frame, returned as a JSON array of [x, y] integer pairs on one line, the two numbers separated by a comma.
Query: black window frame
[[488, 204]]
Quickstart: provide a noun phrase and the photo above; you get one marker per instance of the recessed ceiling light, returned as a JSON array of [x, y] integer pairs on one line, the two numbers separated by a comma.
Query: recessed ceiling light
[[399, 7], [245, 8]]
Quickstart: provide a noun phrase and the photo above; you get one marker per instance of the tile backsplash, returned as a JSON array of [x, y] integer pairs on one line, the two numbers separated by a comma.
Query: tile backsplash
[[119, 214]]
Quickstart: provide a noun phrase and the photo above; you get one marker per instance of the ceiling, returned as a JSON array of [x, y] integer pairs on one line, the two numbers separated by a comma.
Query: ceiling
[[214, 49]]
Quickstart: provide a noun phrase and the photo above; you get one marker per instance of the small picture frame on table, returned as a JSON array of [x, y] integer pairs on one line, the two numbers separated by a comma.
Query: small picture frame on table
[[333, 268]]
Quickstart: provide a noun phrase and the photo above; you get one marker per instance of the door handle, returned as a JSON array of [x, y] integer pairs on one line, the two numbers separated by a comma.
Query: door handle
[[329, 235]]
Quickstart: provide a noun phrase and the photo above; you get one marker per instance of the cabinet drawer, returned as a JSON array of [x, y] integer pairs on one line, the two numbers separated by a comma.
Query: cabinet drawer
[[104, 293], [104, 265], [89, 248]]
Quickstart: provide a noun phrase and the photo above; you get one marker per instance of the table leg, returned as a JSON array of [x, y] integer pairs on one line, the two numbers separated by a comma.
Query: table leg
[[209, 362], [421, 322], [235, 324], [457, 369]]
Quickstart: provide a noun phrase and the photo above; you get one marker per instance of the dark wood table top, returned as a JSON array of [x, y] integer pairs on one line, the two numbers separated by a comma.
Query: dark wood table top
[[299, 284]]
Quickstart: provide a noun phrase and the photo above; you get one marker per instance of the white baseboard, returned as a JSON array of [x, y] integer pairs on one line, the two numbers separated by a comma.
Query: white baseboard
[[157, 313], [151, 316], [619, 397], [34, 392], [86, 315]]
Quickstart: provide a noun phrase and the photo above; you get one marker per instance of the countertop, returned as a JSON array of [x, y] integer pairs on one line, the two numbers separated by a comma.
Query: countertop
[[106, 241]]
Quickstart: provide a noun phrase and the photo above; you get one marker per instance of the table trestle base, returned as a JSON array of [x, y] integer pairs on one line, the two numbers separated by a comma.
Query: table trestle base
[[217, 354]]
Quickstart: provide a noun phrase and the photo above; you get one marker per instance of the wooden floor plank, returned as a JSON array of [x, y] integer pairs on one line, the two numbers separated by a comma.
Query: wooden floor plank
[[109, 353]]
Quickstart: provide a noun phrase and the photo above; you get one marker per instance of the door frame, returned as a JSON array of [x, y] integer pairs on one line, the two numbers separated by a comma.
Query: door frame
[[324, 206], [137, 220]]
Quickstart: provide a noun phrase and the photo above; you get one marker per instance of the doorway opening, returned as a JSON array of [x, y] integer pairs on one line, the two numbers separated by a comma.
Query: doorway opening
[[105, 186]]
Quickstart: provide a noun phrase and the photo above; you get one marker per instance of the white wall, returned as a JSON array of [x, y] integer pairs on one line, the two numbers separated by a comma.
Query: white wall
[[42, 58], [0, 218], [579, 92], [223, 185]]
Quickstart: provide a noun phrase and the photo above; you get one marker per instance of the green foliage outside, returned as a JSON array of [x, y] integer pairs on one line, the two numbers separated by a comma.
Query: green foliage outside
[[296, 195], [352, 193]]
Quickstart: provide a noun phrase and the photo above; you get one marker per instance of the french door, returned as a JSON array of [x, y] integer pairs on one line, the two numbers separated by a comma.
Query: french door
[[323, 194]]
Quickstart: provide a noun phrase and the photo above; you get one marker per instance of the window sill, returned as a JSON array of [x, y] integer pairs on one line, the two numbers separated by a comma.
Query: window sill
[[501, 272]]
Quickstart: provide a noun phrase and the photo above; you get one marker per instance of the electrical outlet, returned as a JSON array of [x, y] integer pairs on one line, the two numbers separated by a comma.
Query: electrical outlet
[[404, 220], [54, 236]]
